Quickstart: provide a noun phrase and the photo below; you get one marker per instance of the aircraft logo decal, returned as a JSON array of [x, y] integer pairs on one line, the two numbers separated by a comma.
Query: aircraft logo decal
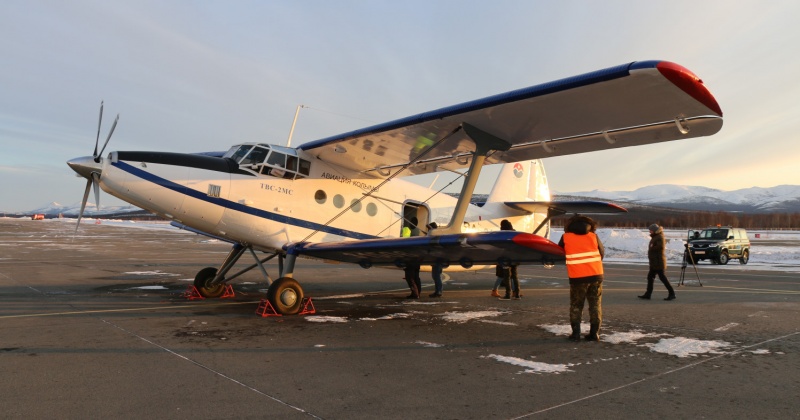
[[518, 171]]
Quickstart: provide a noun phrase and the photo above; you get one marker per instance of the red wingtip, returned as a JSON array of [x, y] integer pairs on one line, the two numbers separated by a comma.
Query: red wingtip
[[689, 83]]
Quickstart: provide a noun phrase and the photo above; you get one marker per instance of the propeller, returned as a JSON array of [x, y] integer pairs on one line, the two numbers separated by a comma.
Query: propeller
[[91, 168]]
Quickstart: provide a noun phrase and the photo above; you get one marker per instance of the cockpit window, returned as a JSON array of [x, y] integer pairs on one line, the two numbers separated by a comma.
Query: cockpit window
[[239, 153], [266, 160], [277, 159], [255, 157], [305, 167]]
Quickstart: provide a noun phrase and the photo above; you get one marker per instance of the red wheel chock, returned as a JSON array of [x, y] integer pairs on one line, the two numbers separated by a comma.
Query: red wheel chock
[[192, 293], [308, 307], [265, 308], [228, 293]]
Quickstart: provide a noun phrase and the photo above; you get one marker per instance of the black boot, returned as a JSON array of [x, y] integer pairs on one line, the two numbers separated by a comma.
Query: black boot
[[594, 332], [576, 332], [645, 296], [670, 297]]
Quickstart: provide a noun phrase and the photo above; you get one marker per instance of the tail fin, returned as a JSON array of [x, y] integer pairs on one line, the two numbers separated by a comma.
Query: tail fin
[[520, 181]]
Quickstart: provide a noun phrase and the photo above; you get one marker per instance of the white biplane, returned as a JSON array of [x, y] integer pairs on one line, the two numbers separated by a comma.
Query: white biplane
[[342, 198]]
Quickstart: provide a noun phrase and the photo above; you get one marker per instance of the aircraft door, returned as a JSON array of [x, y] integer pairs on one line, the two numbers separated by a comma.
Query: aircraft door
[[418, 212]]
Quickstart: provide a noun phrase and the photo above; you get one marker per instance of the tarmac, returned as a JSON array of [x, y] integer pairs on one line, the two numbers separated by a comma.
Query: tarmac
[[95, 324]]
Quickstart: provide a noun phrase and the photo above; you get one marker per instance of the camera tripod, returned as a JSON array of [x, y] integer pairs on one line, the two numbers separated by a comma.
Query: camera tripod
[[687, 257]]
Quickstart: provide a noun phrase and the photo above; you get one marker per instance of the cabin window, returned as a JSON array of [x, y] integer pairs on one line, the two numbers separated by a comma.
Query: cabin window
[[355, 205], [338, 201], [320, 197], [372, 209]]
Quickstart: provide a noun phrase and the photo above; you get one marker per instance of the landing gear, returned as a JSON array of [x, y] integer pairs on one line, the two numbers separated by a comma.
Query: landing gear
[[285, 295], [203, 283]]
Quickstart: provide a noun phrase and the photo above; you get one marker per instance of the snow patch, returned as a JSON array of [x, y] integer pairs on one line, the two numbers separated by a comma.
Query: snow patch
[[150, 273], [462, 317], [531, 366], [686, 347], [727, 326], [427, 344], [319, 318], [399, 315]]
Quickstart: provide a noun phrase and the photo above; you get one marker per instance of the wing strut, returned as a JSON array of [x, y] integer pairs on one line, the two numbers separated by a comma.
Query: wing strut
[[484, 144], [551, 213]]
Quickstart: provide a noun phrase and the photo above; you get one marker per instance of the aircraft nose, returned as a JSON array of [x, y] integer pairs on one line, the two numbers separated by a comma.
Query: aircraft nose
[[84, 166]]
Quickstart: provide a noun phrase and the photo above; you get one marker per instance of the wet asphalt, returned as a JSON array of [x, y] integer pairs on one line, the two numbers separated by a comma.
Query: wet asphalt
[[95, 324]]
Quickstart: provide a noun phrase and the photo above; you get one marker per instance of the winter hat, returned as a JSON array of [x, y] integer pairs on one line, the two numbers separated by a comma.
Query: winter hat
[[653, 228]]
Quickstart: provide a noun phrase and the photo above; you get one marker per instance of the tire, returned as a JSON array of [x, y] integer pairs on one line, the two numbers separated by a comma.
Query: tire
[[285, 295], [745, 257], [202, 279], [723, 258]]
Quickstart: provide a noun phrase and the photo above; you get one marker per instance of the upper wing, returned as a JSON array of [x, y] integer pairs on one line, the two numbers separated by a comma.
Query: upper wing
[[632, 104], [507, 247], [583, 207]]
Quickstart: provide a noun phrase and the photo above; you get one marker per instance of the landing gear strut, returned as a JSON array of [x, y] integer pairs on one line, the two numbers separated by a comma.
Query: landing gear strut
[[285, 294]]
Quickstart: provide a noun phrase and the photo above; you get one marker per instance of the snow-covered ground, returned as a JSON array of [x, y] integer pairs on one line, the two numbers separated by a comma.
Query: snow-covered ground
[[770, 250]]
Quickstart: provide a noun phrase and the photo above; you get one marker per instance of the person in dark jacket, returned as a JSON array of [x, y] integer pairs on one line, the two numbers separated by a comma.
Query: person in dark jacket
[[584, 252], [656, 255], [506, 275]]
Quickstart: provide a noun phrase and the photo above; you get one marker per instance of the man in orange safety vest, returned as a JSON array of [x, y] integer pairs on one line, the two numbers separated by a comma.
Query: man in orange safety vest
[[584, 252]]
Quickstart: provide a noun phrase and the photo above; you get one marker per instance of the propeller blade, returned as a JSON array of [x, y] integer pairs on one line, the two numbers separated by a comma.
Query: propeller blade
[[96, 184], [99, 122], [113, 126], [83, 203]]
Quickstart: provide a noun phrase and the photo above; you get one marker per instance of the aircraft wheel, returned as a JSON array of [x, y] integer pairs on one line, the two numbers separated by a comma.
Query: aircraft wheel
[[723, 258], [202, 280], [285, 295], [745, 257]]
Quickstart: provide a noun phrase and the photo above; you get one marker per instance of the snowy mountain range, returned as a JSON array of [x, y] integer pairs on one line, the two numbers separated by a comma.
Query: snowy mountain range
[[780, 199]]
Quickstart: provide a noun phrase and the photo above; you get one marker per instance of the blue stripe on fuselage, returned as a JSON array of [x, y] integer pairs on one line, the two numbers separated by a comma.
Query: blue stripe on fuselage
[[147, 176]]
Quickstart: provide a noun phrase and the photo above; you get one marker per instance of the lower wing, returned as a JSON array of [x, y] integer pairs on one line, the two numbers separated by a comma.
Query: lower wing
[[466, 250]]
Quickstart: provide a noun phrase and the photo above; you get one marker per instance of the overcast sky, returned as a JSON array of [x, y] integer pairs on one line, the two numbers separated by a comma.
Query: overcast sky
[[192, 76]]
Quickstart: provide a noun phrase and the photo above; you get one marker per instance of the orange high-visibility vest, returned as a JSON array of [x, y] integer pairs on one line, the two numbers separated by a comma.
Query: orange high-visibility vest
[[583, 256]]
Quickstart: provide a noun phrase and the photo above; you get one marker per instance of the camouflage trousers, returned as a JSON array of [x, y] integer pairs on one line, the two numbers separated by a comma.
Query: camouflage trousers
[[590, 292]]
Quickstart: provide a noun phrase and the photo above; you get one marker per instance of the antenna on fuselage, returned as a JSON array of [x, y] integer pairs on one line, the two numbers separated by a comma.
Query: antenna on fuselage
[[291, 132]]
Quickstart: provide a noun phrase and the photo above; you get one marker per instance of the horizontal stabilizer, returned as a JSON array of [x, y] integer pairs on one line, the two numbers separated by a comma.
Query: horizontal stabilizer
[[582, 207], [466, 250]]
